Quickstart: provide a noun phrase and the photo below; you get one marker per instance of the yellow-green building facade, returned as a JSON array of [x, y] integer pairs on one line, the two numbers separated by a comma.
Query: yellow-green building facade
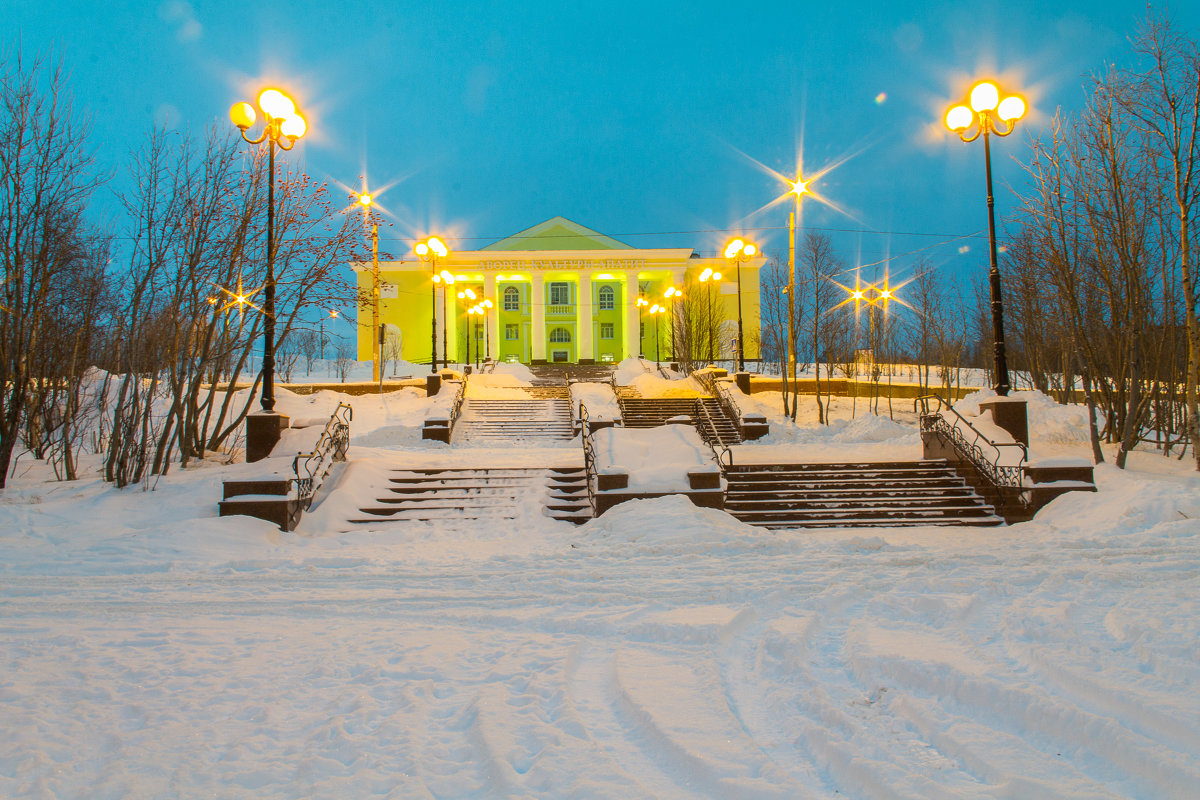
[[560, 292]]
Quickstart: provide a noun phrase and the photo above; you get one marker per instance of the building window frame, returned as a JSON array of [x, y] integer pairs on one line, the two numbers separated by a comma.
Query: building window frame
[[512, 298], [560, 293], [512, 332], [560, 336], [606, 298], [606, 330]]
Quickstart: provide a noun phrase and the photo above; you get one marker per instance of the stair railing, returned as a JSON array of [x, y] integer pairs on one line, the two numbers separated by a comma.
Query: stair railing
[[721, 394], [332, 446], [589, 456], [456, 406], [709, 433], [970, 445]]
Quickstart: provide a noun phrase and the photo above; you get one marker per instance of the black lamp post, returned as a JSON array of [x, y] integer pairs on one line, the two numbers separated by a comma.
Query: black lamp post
[[431, 250], [988, 114], [283, 127], [740, 252]]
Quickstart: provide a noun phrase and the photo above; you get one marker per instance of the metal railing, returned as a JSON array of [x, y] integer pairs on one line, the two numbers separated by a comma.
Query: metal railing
[[970, 445], [331, 446], [724, 399], [709, 433], [589, 457], [456, 406]]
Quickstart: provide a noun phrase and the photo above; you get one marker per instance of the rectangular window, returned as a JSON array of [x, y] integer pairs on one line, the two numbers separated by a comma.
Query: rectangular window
[[512, 299], [606, 330], [479, 333], [511, 333], [560, 294], [642, 330]]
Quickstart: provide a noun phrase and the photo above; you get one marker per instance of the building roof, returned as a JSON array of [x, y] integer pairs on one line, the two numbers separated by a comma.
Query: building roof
[[558, 233]]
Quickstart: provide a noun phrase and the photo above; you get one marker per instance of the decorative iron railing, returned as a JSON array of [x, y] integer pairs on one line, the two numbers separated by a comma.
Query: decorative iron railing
[[969, 442], [589, 456], [332, 446], [456, 406], [712, 437]]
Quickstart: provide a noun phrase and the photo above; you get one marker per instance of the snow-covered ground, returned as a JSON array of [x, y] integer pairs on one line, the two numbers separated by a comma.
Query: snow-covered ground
[[149, 648]]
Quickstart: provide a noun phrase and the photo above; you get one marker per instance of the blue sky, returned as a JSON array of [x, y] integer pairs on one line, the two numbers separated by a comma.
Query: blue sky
[[655, 123]]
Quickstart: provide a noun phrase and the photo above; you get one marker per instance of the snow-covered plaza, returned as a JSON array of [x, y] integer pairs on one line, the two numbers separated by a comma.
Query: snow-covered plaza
[[149, 648]]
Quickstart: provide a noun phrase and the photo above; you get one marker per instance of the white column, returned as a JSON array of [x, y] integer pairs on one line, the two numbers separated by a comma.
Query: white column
[[489, 293], [537, 307], [451, 299], [583, 318], [632, 337]]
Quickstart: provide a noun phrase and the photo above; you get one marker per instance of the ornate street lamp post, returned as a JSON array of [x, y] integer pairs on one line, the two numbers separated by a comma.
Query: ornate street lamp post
[[486, 307], [656, 311], [798, 190], [282, 127], [675, 296], [988, 114], [332, 316], [365, 200], [709, 275], [468, 295], [740, 252], [431, 250]]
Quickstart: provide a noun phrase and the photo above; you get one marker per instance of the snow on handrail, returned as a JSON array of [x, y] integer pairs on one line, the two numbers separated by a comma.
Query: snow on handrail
[[999, 475], [709, 432], [589, 455], [332, 446]]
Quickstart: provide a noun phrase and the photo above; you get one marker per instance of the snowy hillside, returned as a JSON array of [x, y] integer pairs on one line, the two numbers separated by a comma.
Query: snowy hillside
[[151, 649]]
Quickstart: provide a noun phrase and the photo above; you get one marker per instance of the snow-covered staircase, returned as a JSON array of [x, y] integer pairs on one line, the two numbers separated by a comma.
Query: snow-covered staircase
[[546, 414], [449, 496], [854, 495], [650, 412]]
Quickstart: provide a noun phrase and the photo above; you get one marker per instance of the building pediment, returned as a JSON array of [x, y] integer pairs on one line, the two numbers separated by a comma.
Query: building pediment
[[558, 233]]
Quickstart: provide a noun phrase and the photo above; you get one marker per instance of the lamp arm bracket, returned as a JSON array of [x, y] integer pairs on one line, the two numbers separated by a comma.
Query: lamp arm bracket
[[262, 138]]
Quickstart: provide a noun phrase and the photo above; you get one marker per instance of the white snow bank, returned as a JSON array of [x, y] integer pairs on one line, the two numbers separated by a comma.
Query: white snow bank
[[598, 398], [657, 459], [668, 524]]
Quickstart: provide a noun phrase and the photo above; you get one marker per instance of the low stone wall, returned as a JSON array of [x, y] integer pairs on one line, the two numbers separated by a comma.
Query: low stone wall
[[353, 389], [842, 387]]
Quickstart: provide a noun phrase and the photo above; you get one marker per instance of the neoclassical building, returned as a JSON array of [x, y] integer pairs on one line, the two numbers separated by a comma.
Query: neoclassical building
[[560, 292]]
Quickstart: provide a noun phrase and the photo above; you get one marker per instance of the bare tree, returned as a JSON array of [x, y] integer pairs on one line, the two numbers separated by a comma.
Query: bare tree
[[816, 266], [46, 178], [1165, 101]]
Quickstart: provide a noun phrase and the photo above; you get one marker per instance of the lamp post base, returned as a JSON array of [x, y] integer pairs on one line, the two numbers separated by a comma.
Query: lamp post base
[[262, 434], [1010, 414]]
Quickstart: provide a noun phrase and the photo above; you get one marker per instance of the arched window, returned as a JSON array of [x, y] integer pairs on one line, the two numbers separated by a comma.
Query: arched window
[[560, 336], [512, 299], [608, 298]]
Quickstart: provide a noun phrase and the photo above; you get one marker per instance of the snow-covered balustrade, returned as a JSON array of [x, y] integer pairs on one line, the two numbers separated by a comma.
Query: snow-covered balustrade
[[603, 410], [653, 462], [281, 500], [333, 445], [995, 461], [751, 425], [444, 408]]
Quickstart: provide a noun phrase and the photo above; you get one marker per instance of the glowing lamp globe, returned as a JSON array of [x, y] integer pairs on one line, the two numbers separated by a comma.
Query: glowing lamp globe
[[242, 115], [1011, 109], [750, 250], [985, 96], [276, 104], [959, 118], [294, 127]]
